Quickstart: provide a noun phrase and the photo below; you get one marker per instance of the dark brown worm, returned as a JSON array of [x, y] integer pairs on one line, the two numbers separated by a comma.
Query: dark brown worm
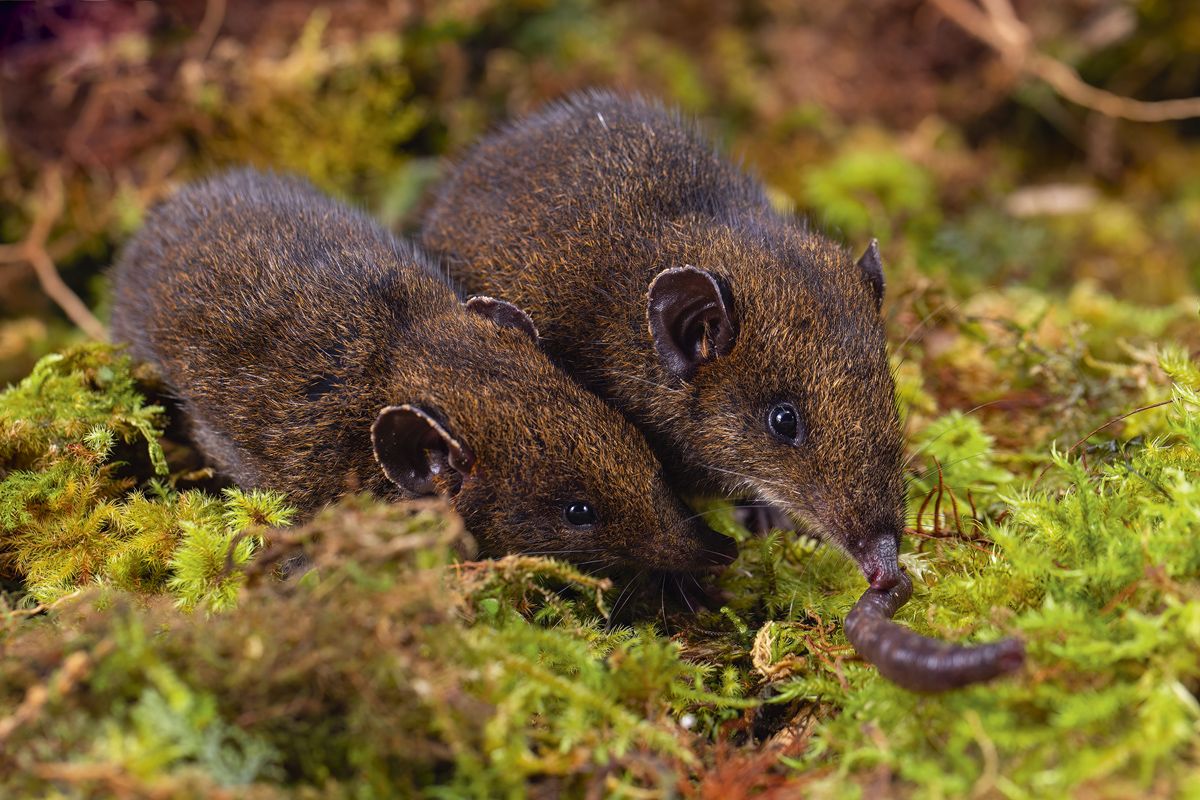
[[920, 663]]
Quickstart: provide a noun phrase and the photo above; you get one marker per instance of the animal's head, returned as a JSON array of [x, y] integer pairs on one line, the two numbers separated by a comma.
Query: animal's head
[[532, 461], [772, 341]]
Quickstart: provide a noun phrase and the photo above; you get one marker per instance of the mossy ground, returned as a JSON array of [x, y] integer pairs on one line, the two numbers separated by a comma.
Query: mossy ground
[[1046, 364]]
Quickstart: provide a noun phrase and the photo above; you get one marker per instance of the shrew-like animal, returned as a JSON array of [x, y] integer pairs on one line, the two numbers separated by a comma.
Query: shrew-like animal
[[313, 353], [747, 347]]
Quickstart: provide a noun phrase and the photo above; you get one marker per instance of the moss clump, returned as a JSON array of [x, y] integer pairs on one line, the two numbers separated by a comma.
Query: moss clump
[[72, 512], [393, 675]]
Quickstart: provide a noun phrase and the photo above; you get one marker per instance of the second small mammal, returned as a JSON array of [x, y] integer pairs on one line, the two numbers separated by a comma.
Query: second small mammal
[[749, 348], [314, 353]]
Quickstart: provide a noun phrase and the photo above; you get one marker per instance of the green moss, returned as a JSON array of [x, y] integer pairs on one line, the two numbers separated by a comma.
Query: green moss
[[358, 94], [1102, 579], [72, 512], [390, 667], [868, 191], [389, 673]]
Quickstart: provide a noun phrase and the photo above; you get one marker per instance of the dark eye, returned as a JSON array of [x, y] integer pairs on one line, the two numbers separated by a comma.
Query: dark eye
[[784, 422], [579, 514]]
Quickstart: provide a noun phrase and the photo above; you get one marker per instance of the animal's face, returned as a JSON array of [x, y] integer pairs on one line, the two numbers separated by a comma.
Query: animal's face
[[535, 464], [775, 340]]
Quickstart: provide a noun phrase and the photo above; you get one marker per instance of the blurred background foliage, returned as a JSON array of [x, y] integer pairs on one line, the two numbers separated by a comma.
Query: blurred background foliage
[[871, 119], [1042, 260]]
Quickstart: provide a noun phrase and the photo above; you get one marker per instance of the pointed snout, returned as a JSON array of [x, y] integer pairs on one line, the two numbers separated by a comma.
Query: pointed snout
[[879, 559]]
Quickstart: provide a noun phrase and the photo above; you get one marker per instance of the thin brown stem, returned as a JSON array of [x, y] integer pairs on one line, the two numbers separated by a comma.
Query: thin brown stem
[[937, 506], [1096, 430], [33, 251], [921, 510], [997, 25]]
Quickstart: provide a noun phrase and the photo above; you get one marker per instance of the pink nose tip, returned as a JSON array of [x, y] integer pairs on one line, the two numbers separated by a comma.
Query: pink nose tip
[[877, 558], [883, 579]]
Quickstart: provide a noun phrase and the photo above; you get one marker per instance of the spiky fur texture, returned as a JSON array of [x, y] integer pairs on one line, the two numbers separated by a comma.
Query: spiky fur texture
[[572, 212], [284, 321]]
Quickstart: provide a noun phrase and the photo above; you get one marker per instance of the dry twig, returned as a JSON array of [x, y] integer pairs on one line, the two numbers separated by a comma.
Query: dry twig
[[210, 26], [33, 251], [996, 25], [74, 669], [40, 608]]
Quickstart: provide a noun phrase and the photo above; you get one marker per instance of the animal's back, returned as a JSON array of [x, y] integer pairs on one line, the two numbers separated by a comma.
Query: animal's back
[[270, 309], [610, 169], [570, 205], [276, 252]]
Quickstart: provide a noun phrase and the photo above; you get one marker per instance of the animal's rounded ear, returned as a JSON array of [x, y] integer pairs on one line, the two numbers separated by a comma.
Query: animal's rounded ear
[[504, 314], [418, 453], [691, 319], [872, 269]]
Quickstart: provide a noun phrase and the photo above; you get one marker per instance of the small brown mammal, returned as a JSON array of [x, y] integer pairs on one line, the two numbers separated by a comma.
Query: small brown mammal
[[314, 353], [748, 348]]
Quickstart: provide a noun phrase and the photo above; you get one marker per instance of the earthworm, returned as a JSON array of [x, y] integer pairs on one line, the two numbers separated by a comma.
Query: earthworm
[[920, 663]]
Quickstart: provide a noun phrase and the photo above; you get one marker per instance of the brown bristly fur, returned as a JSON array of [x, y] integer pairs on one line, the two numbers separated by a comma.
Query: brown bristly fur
[[285, 321], [572, 213]]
